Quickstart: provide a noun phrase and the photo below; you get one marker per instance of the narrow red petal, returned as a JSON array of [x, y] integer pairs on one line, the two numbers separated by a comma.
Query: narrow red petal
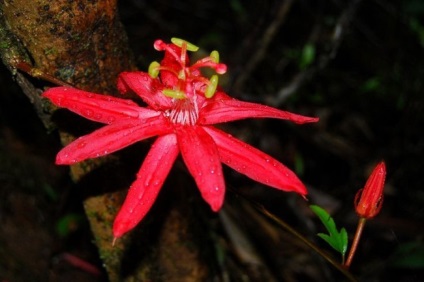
[[201, 157], [111, 138], [145, 189], [255, 163], [96, 107], [224, 110], [149, 89]]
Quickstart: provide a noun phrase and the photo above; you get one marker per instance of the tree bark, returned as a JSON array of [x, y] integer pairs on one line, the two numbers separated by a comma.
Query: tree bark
[[80, 42]]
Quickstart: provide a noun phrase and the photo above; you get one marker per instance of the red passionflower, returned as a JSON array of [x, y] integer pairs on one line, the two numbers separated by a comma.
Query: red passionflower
[[369, 200], [182, 106]]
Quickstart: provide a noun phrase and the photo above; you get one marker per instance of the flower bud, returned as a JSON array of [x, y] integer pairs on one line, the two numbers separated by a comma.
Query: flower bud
[[369, 200]]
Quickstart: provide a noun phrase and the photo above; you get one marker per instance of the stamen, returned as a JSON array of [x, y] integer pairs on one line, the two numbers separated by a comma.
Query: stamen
[[183, 53], [176, 94], [179, 42], [211, 89], [214, 56], [154, 68]]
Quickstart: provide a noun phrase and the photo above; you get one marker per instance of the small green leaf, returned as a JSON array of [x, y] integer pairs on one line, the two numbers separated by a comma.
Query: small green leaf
[[337, 240]]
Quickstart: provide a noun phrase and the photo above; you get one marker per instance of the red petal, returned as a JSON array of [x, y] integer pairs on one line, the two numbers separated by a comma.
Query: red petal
[[224, 110], [111, 138], [201, 157], [96, 107], [149, 89], [255, 163], [144, 190]]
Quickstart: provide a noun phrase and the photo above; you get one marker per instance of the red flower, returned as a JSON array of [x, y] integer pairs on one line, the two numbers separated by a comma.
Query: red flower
[[368, 201], [182, 106]]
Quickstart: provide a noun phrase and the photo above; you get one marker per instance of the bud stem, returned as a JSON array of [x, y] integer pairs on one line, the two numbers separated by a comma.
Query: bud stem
[[355, 242]]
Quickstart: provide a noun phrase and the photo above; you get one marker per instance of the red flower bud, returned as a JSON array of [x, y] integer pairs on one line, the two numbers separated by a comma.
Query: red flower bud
[[369, 200]]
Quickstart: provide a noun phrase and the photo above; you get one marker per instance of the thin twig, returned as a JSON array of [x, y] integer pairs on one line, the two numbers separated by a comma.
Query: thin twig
[[266, 39]]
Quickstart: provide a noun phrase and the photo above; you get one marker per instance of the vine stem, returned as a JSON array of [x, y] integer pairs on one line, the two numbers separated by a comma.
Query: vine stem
[[344, 270], [355, 242]]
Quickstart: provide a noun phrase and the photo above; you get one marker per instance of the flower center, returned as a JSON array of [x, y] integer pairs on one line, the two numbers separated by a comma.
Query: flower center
[[184, 111], [183, 81]]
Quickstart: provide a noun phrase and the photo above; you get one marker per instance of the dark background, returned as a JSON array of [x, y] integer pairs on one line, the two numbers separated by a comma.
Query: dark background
[[355, 64]]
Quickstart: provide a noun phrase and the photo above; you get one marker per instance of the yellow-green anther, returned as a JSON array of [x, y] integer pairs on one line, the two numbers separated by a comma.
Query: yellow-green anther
[[154, 69], [214, 56], [176, 94], [211, 89], [179, 42]]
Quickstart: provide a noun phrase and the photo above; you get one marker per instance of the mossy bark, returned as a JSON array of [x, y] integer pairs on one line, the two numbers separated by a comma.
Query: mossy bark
[[80, 42]]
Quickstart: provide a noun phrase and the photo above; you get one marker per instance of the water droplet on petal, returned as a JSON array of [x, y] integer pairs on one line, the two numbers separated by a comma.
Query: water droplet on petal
[[81, 144], [88, 113], [111, 119]]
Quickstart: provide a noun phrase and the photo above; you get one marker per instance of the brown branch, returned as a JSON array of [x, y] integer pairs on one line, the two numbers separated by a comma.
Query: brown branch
[[266, 39]]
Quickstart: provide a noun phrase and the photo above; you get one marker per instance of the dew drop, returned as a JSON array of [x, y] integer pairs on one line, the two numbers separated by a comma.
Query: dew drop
[[88, 113], [81, 144], [98, 116], [111, 119]]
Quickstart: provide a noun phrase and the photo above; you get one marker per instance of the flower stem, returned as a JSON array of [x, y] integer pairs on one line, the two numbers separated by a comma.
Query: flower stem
[[355, 242]]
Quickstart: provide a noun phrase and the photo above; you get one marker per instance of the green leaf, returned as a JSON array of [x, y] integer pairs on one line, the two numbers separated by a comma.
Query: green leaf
[[337, 240], [307, 56]]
